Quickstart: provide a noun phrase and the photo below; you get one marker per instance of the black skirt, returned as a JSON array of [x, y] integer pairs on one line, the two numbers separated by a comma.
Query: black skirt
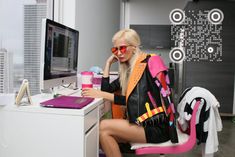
[[157, 130]]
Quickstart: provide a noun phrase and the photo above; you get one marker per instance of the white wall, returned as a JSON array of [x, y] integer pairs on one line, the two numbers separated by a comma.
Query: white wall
[[96, 21], [152, 11]]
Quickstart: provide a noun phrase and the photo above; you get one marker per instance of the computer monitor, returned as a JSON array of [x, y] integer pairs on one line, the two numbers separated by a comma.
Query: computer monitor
[[59, 54]]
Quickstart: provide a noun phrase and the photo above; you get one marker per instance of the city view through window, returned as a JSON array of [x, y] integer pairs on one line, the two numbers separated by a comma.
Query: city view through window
[[20, 36]]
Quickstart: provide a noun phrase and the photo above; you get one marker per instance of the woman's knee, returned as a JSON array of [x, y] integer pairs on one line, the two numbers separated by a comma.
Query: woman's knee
[[104, 125], [104, 129]]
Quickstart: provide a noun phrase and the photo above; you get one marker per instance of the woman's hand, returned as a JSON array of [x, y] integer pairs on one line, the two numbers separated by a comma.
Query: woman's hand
[[112, 59], [91, 92], [95, 93]]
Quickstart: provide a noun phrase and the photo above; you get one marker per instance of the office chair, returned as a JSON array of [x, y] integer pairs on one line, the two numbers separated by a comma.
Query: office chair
[[185, 144]]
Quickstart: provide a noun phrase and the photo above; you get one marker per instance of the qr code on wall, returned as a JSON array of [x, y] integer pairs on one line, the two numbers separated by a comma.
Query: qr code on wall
[[196, 35]]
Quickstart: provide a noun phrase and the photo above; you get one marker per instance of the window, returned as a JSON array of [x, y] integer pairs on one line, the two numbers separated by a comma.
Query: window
[[20, 37]]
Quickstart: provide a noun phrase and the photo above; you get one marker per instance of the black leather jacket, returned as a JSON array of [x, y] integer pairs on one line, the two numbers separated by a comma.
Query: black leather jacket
[[137, 99]]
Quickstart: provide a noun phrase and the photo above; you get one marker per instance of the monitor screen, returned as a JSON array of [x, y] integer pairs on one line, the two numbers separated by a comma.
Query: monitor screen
[[59, 54]]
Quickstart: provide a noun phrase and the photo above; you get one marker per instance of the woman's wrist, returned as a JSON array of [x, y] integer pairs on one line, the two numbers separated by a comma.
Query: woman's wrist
[[107, 95], [108, 64], [106, 70]]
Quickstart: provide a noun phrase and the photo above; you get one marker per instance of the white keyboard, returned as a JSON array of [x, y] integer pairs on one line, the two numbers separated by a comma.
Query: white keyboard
[[67, 91]]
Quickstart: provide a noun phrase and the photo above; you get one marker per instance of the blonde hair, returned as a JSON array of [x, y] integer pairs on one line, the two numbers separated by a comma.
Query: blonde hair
[[130, 37]]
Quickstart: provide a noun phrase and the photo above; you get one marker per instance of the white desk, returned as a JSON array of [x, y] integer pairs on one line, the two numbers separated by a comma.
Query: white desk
[[34, 131]]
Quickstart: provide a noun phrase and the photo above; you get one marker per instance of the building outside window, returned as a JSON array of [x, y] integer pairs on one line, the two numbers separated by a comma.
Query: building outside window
[[20, 35]]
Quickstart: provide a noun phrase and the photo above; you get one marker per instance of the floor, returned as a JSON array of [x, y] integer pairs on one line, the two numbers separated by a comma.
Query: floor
[[226, 141]]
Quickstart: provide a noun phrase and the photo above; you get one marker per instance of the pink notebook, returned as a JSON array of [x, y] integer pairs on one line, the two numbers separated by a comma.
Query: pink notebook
[[73, 102]]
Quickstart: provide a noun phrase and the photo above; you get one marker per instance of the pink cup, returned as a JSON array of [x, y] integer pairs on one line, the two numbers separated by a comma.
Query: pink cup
[[87, 77]]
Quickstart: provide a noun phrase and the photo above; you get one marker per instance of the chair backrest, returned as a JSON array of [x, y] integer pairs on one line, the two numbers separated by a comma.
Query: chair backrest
[[176, 148]]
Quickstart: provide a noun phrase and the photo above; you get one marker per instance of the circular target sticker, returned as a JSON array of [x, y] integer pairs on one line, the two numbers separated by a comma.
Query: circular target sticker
[[215, 16], [177, 16], [210, 49], [177, 55]]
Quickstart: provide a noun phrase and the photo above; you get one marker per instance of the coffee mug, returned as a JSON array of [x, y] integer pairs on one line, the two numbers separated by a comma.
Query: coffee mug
[[87, 77]]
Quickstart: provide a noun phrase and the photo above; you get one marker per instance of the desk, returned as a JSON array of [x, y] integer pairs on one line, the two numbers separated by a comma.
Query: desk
[[35, 131]]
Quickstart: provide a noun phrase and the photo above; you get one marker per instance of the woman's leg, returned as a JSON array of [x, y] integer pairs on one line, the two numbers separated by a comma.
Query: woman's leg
[[113, 131]]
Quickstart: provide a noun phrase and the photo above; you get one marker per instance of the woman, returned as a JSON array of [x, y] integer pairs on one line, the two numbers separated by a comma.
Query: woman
[[143, 84]]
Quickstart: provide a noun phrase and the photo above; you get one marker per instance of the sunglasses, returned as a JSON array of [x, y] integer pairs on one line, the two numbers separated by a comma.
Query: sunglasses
[[121, 48]]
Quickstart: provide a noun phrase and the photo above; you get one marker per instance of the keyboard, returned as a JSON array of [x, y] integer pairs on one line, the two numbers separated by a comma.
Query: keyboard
[[67, 91]]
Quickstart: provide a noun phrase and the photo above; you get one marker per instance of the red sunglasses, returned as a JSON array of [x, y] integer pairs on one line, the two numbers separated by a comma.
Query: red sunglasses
[[121, 48]]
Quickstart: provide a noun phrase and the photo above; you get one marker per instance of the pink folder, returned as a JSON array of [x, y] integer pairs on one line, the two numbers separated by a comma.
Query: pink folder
[[72, 102]]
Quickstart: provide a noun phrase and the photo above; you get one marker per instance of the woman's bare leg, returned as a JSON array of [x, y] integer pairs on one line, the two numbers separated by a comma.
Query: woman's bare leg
[[113, 131]]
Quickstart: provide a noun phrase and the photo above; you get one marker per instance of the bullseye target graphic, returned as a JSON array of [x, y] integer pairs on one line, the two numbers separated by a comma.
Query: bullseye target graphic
[[177, 55], [177, 16], [215, 16], [210, 49]]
